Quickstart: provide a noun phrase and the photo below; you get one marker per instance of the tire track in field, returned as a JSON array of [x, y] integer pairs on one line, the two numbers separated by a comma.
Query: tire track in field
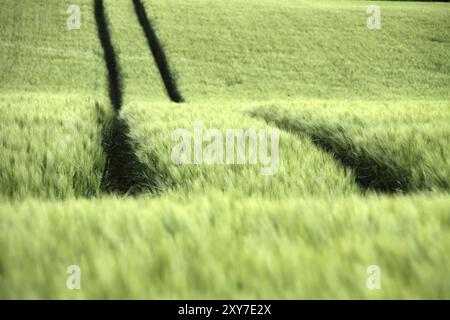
[[158, 53], [109, 54], [370, 171], [124, 173]]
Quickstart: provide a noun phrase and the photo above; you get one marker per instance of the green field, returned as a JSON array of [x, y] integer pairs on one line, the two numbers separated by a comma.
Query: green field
[[87, 176]]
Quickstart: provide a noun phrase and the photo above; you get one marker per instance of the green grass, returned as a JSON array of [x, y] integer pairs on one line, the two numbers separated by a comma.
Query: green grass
[[52, 101], [51, 146], [214, 247], [271, 50], [401, 146], [361, 114], [303, 169], [39, 53], [140, 76]]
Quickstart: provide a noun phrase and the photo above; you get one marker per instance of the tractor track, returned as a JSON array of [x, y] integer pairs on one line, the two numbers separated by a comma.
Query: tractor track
[[124, 173], [158, 53], [371, 173]]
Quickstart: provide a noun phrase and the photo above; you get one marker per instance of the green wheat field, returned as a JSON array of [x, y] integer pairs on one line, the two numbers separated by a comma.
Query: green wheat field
[[87, 118]]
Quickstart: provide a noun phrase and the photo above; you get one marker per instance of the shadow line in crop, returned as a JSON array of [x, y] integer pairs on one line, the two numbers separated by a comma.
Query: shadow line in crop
[[158, 53], [115, 85], [372, 171], [124, 172]]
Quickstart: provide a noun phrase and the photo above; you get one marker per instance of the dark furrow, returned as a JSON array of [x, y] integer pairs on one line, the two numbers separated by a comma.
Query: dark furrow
[[158, 53], [115, 85], [372, 173], [124, 173]]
